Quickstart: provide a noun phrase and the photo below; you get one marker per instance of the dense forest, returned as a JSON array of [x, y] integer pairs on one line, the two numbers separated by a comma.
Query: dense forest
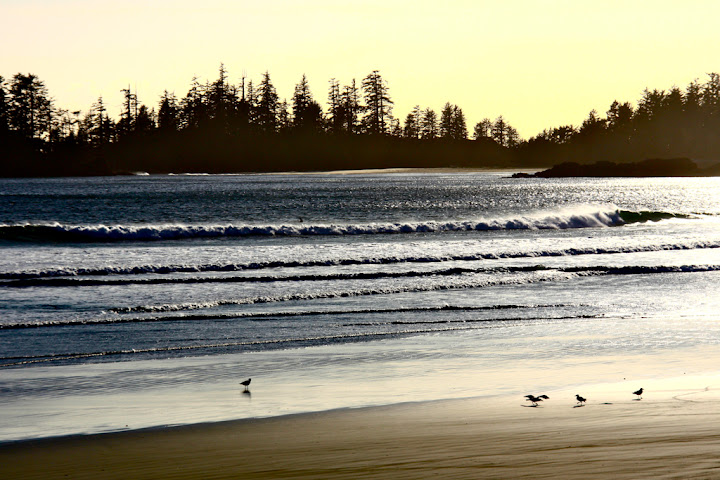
[[246, 127]]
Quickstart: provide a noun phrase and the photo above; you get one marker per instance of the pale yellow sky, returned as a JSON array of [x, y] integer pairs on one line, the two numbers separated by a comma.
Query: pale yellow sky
[[538, 63]]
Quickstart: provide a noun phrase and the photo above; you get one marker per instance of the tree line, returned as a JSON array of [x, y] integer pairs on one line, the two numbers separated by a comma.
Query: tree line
[[218, 126]]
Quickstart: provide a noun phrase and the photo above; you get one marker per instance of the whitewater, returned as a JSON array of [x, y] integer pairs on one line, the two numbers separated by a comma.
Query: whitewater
[[128, 302]]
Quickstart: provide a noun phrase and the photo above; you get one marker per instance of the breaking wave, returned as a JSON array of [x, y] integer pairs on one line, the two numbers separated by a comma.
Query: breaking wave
[[564, 219]]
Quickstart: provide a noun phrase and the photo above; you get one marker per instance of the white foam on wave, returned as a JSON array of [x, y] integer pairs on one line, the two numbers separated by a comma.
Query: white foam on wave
[[470, 281], [577, 217], [110, 270]]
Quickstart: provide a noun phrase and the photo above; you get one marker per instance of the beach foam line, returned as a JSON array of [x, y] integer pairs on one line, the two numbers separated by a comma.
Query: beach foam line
[[136, 280], [83, 282], [465, 282], [278, 314], [111, 270]]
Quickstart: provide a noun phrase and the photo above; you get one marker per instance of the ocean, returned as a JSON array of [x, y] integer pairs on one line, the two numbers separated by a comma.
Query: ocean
[[142, 301]]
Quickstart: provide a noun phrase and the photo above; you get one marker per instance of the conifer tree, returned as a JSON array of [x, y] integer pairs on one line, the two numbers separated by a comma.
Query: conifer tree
[[307, 113], [267, 105], [144, 121], [284, 122], [378, 106], [483, 129], [221, 100], [429, 125], [335, 111], [193, 106], [126, 125], [99, 132], [29, 107], [413, 123], [452, 123], [619, 116], [351, 109], [168, 113], [4, 127]]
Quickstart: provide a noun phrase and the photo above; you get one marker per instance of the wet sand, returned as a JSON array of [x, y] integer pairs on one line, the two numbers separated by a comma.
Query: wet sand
[[673, 432]]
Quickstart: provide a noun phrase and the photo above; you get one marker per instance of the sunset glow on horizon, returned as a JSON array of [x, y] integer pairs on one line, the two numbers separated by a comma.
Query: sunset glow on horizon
[[539, 64]]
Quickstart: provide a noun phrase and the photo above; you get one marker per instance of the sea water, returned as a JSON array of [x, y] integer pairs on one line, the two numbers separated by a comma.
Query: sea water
[[128, 302]]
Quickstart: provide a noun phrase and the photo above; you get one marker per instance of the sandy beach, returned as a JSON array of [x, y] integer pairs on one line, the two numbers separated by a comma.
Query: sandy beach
[[671, 433]]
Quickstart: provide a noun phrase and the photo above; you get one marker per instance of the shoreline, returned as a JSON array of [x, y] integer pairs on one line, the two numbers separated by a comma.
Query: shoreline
[[401, 170], [367, 171], [669, 434], [358, 171]]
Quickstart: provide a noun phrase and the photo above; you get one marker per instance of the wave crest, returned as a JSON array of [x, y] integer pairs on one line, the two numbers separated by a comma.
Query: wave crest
[[57, 232]]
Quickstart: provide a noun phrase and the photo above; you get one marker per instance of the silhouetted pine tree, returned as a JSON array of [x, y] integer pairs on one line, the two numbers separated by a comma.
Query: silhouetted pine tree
[[29, 107], [126, 124], [4, 121], [504, 134], [429, 125], [482, 129], [97, 128], [266, 106], [413, 123], [144, 121], [193, 107], [351, 108], [307, 113], [452, 123], [336, 114], [378, 106], [168, 120]]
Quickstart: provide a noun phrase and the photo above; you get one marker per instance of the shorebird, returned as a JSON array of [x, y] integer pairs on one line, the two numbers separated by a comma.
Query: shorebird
[[580, 399], [639, 393], [535, 399], [246, 383]]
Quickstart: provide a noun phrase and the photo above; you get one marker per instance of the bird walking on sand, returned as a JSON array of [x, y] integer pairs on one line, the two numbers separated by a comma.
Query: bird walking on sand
[[580, 399], [535, 399], [639, 394], [246, 383]]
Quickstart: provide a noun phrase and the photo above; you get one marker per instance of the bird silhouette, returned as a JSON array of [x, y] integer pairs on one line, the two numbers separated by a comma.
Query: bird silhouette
[[535, 399], [246, 383], [639, 394], [580, 399]]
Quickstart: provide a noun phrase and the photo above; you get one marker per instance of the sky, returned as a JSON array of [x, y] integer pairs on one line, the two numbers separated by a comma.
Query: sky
[[539, 64]]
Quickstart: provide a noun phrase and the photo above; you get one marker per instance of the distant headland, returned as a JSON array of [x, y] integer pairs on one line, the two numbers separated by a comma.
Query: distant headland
[[655, 167]]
